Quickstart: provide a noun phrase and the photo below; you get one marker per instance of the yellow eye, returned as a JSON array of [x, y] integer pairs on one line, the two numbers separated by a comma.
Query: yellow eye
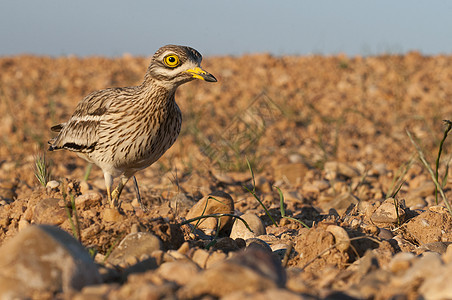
[[171, 60]]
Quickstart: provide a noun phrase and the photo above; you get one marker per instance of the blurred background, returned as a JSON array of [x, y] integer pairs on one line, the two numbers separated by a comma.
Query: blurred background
[[234, 27]]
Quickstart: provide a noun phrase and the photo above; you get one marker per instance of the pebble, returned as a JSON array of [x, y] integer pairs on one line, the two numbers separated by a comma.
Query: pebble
[[215, 258], [52, 184], [111, 215], [340, 236], [200, 257], [44, 258], [253, 243], [438, 247], [133, 246], [239, 230], [248, 271], [88, 200], [48, 211], [335, 169], [217, 202], [385, 234], [386, 213], [178, 271], [341, 203]]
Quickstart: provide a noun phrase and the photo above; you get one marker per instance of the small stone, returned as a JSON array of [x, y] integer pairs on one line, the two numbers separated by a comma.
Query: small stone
[[217, 202], [44, 258], [385, 234], [215, 258], [248, 271], [88, 200], [134, 245], [200, 257], [227, 244], [425, 189], [85, 187], [48, 211], [280, 250], [111, 215], [341, 237], [366, 208], [184, 248], [181, 272], [341, 203], [387, 213], [239, 230], [334, 169], [52, 184], [415, 202], [254, 243], [438, 247]]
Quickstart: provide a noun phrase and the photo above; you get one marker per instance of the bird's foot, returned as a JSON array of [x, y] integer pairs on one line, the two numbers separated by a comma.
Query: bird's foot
[[114, 203]]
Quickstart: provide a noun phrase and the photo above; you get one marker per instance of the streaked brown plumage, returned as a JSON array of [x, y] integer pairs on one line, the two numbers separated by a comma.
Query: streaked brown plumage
[[124, 130]]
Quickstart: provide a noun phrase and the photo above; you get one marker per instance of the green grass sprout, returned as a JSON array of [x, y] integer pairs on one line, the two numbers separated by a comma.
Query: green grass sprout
[[283, 212], [42, 169], [253, 192]]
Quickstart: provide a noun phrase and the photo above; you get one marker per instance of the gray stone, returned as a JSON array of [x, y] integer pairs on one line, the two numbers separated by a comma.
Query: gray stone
[[43, 258]]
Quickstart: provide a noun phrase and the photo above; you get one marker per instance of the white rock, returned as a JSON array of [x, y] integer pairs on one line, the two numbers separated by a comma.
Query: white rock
[[53, 184], [239, 230]]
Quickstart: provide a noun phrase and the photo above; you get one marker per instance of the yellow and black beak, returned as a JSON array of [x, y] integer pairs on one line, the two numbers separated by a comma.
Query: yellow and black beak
[[201, 74]]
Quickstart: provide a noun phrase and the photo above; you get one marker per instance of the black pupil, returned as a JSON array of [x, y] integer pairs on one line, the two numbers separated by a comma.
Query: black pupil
[[171, 59]]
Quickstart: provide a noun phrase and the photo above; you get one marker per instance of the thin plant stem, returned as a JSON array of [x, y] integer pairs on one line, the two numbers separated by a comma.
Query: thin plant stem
[[253, 192], [432, 174], [440, 150]]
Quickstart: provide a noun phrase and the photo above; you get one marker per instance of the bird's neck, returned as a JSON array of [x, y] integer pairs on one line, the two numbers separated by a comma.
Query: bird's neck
[[157, 93]]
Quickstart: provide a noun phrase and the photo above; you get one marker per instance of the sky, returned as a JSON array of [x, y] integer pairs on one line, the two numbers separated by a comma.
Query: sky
[[232, 27]]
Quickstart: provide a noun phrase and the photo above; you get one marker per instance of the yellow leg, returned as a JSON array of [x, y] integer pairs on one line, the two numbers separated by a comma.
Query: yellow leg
[[117, 192]]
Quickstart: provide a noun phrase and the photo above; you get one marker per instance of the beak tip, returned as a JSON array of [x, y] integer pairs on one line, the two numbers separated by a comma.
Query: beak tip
[[210, 78]]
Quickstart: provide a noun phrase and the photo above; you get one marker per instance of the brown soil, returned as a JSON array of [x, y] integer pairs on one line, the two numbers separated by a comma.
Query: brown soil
[[289, 116]]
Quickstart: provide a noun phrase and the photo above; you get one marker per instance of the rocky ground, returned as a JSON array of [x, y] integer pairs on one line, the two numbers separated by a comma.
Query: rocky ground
[[329, 133]]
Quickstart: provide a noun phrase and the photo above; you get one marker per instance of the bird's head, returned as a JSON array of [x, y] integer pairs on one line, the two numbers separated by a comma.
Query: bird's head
[[174, 65]]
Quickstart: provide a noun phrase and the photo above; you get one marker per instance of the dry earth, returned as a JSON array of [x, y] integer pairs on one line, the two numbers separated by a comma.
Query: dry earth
[[329, 132]]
